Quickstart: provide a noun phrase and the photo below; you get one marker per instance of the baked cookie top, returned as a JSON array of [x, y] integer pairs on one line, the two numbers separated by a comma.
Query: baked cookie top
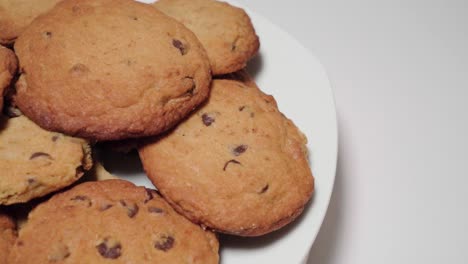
[[8, 66], [7, 236], [109, 69], [111, 221], [15, 15], [237, 165], [35, 162], [225, 31]]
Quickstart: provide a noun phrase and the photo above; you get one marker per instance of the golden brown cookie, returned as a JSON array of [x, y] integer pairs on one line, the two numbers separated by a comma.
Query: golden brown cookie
[[111, 221], [7, 236], [8, 65], [35, 162], [121, 69], [225, 31], [16, 15], [237, 165]]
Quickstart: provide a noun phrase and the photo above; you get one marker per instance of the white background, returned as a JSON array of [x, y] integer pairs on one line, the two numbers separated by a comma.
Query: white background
[[399, 71]]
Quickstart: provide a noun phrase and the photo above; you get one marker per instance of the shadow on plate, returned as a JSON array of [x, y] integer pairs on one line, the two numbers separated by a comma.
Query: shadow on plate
[[255, 65], [327, 239], [119, 163]]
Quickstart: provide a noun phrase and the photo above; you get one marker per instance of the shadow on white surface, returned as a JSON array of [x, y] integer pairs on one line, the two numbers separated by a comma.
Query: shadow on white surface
[[323, 249], [255, 65], [121, 163]]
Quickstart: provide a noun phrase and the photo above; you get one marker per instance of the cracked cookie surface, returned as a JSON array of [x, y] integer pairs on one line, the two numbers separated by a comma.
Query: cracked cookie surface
[[35, 162], [111, 221], [237, 165], [121, 69], [225, 31]]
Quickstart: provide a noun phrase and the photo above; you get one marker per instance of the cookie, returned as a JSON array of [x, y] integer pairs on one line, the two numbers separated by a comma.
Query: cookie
[[35, 162], [16, 15], [121, 69], [8, 65], [225, 31], [7, 236], [237, 165], [111, 221]]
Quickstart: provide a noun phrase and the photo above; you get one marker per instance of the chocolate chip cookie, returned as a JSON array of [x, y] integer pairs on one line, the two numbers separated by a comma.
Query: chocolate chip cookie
[[237, 165], [7, 236], [111, 221], [35, 162], [8, 65], [121, 69], [16, 15], [225, 31]]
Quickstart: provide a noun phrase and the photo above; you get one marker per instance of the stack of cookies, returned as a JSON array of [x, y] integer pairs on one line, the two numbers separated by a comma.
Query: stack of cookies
[[167, 77]]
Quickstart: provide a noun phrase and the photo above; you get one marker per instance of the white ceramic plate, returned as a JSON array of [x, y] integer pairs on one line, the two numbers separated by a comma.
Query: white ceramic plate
[[297, 80]]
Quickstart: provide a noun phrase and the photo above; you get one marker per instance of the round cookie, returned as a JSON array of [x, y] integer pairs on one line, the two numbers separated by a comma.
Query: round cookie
[[237, 165], [121, 69], [16, 15], [111, 221], [35, 162], [225, 31], [7, 236], [8, 65]]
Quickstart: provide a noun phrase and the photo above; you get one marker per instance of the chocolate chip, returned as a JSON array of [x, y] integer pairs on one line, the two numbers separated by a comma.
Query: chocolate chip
[[82, 198], [132, 208], [40, 154], [33, 183], [207, 120], [79, 171], [164, 243], [55, 138], [192, 85], [179, 45], [149, 195], [244, 107], [230, 161], [264, 189], [79, 69], [239, 150], [155, 210], [105, 207], [109, 250], [234, 44], [132, 211]]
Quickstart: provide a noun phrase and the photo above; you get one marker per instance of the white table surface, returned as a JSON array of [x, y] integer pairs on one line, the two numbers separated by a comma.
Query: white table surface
[[399, 71]]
